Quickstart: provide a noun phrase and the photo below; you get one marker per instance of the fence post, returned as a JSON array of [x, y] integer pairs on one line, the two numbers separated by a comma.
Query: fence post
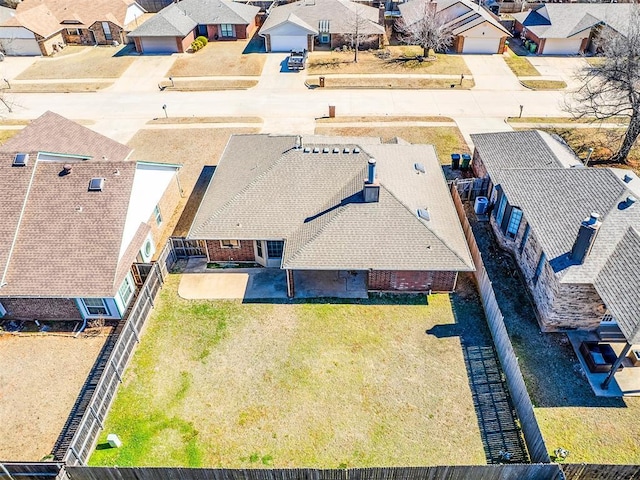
[[6, 472], [116, 370], [95, 415], [133, 330]]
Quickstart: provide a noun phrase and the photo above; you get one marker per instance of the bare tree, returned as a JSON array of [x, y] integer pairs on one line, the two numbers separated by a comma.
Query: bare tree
[[424, 26], [612, 88], [358, 28]]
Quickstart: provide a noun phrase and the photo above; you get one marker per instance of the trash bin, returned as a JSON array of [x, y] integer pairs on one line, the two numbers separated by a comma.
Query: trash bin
[[466, 160], [455, 161], [322, 81], [332, 111], [480, 205]]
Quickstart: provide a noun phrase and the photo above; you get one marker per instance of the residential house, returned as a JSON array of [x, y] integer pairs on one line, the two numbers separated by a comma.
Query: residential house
[[42, 27], [475, 29], [309, 24], [76, 214], [176, 26], [571, 28], [570, 229], [318, 204]]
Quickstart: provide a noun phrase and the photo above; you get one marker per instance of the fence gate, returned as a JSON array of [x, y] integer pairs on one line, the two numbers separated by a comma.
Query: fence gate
[[140, 272], [184, 248], [470, 188]]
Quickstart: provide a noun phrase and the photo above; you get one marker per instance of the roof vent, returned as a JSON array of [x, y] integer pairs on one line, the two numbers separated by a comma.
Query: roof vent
[[79, 208], [356, 150], [423, 213], [96, 184], [298, 145], [306, 150], [325, 150], [627, 178], [631, 200], [316, 150], [66, 170], [419, 168], [336, 150], [20, 160], [346, 150]]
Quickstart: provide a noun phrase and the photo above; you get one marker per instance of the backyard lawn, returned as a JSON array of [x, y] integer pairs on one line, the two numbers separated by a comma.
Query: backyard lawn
[[226, 384], [446, 139], [219, 58], [392, 59], [80, 62]]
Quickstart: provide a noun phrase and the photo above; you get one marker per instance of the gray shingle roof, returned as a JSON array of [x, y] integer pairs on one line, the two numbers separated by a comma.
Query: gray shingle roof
[[178, 19], [314, 202], [339, 13], [522, 149], [618, 284], [568, 19]]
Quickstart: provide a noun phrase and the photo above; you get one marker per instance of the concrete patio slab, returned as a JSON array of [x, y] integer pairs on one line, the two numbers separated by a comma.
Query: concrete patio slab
[[330, 283], [595, 379]]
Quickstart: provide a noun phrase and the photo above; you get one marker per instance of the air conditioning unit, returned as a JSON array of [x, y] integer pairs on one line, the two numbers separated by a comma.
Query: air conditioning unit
[[147, 250], [3, 311]]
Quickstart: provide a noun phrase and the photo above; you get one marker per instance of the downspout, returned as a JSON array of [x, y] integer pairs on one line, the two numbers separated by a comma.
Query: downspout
[[15, 237]]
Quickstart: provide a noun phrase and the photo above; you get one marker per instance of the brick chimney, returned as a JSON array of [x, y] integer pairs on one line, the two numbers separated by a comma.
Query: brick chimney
[[371, 186], [586, 238]]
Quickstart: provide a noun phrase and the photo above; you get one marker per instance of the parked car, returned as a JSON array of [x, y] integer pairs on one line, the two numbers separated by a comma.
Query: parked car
[[297, 60]]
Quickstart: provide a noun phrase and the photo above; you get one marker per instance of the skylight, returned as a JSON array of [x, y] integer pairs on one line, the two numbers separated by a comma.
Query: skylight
[[96, 184], [423, 213], [20, 160]]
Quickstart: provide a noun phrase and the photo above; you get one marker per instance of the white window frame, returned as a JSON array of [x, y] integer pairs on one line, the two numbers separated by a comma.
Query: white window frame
[[227, 30], [229, 243], [130, 288], [89, 307], [274, 242], [158, 215], [70, 32]]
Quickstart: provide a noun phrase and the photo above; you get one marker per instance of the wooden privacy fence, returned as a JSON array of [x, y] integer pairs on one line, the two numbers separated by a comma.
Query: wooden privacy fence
[[476, 472], [30, 471], [183, 248], [92, 423], [519, 395]]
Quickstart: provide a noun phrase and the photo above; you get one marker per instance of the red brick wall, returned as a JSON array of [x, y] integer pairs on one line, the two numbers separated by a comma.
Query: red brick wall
[[411, 281], [186, 42], [40, 309], [243, 254], [138, 43], [243, 31], [477, 166]]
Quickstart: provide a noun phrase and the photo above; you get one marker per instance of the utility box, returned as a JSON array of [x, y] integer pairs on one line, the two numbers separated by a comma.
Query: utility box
[[322, 82], [114, 441], [332, 111]]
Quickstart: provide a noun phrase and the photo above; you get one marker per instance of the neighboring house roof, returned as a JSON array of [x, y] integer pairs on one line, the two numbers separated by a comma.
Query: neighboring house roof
[[565, 20], [339, 14], [58, 238], [6, 13], [53, 133], [264, 188], [178, 19], [523, 149], [469, 16], [618, 284]]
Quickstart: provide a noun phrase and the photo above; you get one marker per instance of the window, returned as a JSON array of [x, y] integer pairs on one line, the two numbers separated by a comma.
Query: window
[[126, 291], [525, 237], [230, 243], [157, 215], [324, 38], [259, 248], [107, 31], [274, 248], [539, 268], [514, 223], [95, 306], [73, 31], [501, 208], [227, 30]]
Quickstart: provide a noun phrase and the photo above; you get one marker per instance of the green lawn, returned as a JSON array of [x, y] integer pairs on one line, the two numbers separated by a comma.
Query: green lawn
[[520, 66], [226, 384]]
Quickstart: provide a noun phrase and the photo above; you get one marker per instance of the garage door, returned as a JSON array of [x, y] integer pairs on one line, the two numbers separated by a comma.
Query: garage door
[[561, 46], [20, 46], [480, 45], [286, 43], [159, 45]]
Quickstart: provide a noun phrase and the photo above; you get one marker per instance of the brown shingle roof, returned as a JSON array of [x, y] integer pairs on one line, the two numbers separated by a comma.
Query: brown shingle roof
[[52, 133]]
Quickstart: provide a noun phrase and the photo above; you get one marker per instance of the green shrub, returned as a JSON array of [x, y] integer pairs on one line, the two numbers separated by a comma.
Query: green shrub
[[196, 45], [202, 40]]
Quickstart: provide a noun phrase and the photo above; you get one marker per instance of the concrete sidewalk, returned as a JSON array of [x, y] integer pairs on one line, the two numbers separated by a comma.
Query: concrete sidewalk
[[144, 74]]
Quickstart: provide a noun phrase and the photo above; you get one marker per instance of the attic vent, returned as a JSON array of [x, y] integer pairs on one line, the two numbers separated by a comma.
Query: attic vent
[[96, 184], [20, 160], [356, 150], [307, 150], [346, 150], [627, 178], [419, 167], [316, 150], [336, 150], [423, 213], [325, 150], [631, 200]]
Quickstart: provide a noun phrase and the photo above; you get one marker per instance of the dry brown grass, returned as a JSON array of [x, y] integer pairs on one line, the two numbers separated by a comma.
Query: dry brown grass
[[401, 59], [58, 87], [194, 148], [41, 376], [394, 83], [90, 62], [218, 58], [373, 118], [7, 134], [446, 139], [208, 85], [325, 385], [193, 120], [544, 84], [520, 66]]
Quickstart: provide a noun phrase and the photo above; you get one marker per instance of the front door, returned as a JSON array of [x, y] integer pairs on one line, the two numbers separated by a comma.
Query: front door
[[201, 31], [268, 253]]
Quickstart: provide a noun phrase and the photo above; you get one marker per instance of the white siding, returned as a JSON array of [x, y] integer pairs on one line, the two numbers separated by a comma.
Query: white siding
[[16, 32], [481, 45], [18, 41], [286, 43], [159, 45], [133, 12]]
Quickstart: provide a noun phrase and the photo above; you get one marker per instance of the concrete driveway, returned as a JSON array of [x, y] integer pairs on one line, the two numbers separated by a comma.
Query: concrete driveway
[[144, 74], [490, 72], [559, 68], [11, 67]]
